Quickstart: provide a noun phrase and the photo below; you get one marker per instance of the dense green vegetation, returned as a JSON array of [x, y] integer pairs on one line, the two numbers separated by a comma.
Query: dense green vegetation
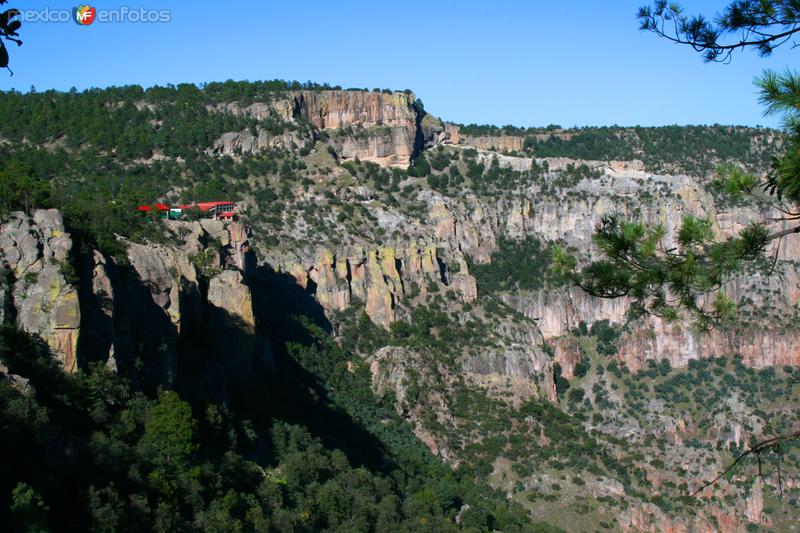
[[695, 150], [130, 121], [516, 265], [93, 451], [692, 149], [96, 154], [509, 129]]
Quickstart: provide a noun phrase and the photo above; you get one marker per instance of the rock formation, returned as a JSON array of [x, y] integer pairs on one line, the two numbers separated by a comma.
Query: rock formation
[[247, 142], [495, 143], [378, 277], [35, 250], [144, 310], [403, 374], [371, 126]]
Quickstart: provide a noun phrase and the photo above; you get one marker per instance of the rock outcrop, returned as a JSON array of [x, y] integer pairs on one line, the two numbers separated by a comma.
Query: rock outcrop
[[36, 252], [145, 310], [404, 375], [438, 132], [495, 143], [515, 368], [371, 126], [230, 324], [249, 142], [679, 343], [379, 277], [103, 303]]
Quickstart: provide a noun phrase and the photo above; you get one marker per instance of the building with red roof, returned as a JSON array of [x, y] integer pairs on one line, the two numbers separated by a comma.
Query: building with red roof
[[216, 209]]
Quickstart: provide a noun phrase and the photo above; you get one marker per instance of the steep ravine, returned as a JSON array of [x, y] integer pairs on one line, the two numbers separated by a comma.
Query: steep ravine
[[548, 394]]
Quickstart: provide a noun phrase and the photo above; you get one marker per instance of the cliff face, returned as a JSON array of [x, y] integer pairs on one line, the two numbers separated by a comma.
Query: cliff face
[[759, 347], [378, 278], [246, 142], [473, 226], [146, 309], [192, 297], [433, 248], [369, 126], [449, 134], [373, 126], [35, 253], [339, 109], [495, 143]]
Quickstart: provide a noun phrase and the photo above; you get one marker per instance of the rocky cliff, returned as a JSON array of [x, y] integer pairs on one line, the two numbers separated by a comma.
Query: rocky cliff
[[438, 132], [35, 252], [84, 307], [378, 278], [369, 126], [425, 283], [554, 203], [374, 126]]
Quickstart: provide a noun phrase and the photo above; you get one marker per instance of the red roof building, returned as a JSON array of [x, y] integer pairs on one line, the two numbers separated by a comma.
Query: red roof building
[[157, 206], [218, 209]]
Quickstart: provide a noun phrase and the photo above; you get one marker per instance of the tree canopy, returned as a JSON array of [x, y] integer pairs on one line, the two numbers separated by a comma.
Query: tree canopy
[[760, 24]]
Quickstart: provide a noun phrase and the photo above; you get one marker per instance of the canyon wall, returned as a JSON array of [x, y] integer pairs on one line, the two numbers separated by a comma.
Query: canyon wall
[[384, 128], [371, 126], [377, 278], [83, 307], [35, 252], [456, 228]]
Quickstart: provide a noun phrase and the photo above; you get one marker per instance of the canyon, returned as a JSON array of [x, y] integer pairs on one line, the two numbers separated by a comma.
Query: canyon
[[387, 228]]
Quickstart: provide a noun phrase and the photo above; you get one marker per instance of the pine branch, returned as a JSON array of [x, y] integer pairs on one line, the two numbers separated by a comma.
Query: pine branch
[[757, 449], [783, 233]]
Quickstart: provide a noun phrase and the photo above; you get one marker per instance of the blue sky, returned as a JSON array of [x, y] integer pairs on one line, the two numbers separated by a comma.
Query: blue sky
[[528, 63]]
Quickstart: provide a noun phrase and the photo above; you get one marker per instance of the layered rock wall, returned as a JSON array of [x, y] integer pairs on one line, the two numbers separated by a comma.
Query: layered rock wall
[[35, 252], [248, 142], [145, 309], [496, 143], [377, 277], [371, 126], [443, 133]]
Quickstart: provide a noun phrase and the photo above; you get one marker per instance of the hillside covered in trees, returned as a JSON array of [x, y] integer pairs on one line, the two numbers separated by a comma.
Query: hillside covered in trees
[[422, 366]]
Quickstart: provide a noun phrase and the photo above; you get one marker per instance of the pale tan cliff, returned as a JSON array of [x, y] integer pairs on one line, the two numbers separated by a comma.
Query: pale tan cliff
[[496, 143], [371, 126], [36, 251], [450, 134], [378, 278]]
